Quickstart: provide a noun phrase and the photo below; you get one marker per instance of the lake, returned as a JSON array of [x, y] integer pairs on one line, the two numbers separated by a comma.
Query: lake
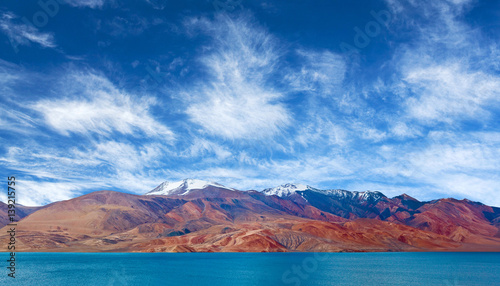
[[218, 269]]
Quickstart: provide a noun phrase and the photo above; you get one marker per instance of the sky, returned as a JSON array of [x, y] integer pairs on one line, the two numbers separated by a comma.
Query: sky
[[390, 96]]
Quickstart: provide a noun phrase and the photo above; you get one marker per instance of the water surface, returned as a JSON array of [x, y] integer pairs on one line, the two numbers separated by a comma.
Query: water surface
[[219, 269]]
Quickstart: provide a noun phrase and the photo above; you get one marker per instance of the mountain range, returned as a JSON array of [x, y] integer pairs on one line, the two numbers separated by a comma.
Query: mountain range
[[199, 216]]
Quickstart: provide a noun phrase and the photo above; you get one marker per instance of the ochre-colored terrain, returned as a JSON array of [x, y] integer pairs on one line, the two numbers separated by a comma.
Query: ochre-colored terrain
[[219, 220]]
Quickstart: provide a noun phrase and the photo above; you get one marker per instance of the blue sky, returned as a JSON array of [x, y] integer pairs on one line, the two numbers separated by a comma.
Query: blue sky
[[390, 96]]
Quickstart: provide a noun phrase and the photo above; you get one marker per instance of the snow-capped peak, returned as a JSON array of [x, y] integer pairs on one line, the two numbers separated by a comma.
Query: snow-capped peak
[[365, 196], [369, 195], [289, 189], [183, 187], [286, 189]]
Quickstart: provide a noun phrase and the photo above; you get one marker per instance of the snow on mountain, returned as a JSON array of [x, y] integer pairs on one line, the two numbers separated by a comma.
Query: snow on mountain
[[183, 187], [370, 195], [365, 196], [286, 190]]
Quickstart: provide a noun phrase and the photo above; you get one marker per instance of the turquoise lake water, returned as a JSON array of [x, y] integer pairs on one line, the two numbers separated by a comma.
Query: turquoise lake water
[[254, 269]]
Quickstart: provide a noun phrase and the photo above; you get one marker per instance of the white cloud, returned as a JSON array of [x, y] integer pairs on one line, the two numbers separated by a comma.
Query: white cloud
[[50, 174], [247, 115], [86, 104], [481, 188], [36, 193], [23, 34], [94, 105], [158, 4], [392, 190], [85, 3], [14, 115], [445, 163], [129, 25], [328, 136], [120, 155], [446, 70], [238, 103], [202, 147], [373, 134], [461, 157], [322, 73], [403, 130], [15, 120], [259, 173], [312, 169], [321, 130], [448, 93]]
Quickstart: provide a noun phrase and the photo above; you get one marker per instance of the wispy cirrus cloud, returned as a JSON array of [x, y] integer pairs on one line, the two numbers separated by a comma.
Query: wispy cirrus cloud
[[108, 163], [239, 102], [119, 155], [14, 117], [108, 123], [94, 105], [205, 148], [41, 193], [447, 93], [252, 106], [456, 164], [129, 25], [321, 73], [158, 4], [428, 91], [321, 129], [467, 169], [93, 4], [23, 34], [443, 79], [441, 82]]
